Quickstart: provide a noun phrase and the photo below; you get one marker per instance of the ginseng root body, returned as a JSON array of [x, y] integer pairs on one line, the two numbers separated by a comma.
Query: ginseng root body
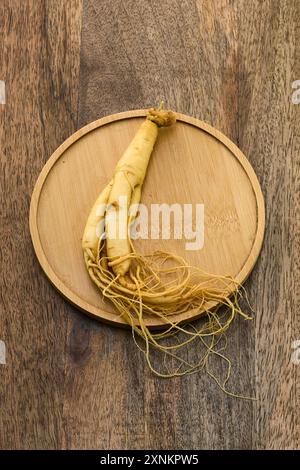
[[160, 285]]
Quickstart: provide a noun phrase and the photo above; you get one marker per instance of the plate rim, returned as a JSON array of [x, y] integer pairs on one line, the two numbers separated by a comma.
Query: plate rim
[[97, 312]]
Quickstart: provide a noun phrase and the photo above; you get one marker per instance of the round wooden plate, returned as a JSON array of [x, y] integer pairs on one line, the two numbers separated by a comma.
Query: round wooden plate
[[191, 163]]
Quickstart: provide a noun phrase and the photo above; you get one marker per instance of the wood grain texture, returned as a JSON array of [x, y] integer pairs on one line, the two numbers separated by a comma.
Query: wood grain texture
[[40, 43], [70, 381], [269, 135], [216, 61], [133, 54]]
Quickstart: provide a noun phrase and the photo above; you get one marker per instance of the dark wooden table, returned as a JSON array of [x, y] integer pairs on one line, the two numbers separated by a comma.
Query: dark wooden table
[[69, 381]]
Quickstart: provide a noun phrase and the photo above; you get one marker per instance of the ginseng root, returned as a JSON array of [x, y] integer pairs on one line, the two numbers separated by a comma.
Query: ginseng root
[[161, 285]]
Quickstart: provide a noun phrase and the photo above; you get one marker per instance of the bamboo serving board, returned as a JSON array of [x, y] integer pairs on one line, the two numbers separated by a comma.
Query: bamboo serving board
[[191, 163]]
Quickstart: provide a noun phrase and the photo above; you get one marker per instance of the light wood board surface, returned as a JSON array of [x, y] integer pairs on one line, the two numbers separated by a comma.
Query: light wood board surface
[[192, 164], [71, 381]]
